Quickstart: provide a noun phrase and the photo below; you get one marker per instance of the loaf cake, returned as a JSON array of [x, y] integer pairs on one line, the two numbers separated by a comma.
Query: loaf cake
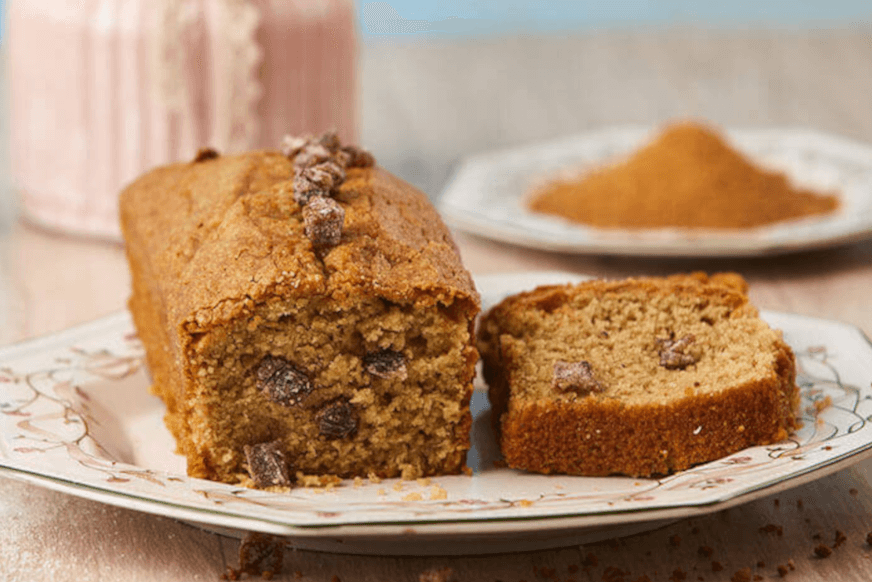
[[303, 312], [638, 377]]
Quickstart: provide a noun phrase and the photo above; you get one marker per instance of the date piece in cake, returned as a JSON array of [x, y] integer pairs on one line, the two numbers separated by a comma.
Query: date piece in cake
[[256, 332], [685, 372]]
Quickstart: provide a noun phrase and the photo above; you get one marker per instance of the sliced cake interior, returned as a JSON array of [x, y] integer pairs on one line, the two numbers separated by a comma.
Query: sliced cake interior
[[640, 377]]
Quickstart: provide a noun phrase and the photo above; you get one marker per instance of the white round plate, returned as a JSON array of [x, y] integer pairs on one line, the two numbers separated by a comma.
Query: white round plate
[[487, 194], [76, 416]]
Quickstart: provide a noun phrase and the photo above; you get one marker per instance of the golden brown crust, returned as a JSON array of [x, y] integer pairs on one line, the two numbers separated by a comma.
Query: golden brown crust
[[600, 435], [211, 242]]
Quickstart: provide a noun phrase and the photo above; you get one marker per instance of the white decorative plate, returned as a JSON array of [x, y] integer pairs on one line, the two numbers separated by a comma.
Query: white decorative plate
[[75, 416], [487, 193]]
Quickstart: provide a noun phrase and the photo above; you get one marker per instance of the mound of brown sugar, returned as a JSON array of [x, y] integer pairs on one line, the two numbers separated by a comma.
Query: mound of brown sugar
[[687, 177]]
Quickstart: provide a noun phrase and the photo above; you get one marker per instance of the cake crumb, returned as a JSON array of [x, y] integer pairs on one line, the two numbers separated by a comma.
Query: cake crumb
[[772, 528], [742, 575], [381, 492], [358, 482], [840, 539], [437, 575], [413, 496], [260, 553], [467, 471], [869, 539], [398, 486], [423, 481], [783, 570], [373, 478], [822, 551], [853, 491], [525, 502], [317, 481], [437, 492], [822, 404], [335, 578], [790, 564]]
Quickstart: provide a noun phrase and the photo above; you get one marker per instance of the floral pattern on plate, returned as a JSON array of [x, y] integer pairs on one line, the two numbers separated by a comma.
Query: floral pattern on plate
[[75, 415]]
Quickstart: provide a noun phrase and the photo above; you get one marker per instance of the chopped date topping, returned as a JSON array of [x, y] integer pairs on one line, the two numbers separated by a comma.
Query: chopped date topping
[[386, 364], [575, 377], [358, 157], [267, 464], [204, 154], [260, 553], [281, 382], [305, 190], [293, 144], [672, 352], [337, 420], [325, 175], [330, 140], [311, 154], [322, 221]]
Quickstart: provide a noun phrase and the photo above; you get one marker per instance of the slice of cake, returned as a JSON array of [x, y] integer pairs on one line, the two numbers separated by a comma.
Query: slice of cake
[[637, 377], [302, 311]]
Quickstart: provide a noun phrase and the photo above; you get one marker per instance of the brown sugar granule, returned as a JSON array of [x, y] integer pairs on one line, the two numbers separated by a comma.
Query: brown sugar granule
[[783, 570], [717, 566], [547, 572], [260, 553], [777, 502], [822, 551], [761, 564], [677, 575], [591, 561], [687, 177], [757, 577], [437, 575], [742, 575], [335, 578], [853, 491], [705, 551], [840, 539], [204, 154], [695, 530], [869, 538], [572, 569], [772, 528], [816, 536], [799, 504], [643, 578], [675, 540]]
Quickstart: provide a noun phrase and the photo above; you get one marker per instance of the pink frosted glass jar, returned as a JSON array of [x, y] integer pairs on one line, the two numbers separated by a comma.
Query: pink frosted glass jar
[[103, 90]]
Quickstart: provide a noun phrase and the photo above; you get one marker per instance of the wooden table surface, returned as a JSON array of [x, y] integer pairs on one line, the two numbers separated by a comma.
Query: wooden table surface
[[424, 106]]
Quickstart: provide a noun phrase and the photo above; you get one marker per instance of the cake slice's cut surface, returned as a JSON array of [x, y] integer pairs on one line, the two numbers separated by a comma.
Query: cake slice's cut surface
[[637, 377], [343, 390]]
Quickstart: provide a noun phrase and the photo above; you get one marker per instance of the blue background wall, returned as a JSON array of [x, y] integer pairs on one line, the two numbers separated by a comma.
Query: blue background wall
[[456, 17]]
